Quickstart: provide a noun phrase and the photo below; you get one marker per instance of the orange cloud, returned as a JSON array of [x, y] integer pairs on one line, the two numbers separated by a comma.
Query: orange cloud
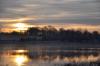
[[16, 20]]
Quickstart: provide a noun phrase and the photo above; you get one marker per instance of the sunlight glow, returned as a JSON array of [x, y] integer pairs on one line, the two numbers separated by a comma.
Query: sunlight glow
[[21, 51], [15, 20], [20, 26], [20, 59]]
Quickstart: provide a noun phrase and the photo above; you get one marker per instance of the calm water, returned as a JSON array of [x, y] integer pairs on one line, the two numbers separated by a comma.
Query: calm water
[[49, 55]]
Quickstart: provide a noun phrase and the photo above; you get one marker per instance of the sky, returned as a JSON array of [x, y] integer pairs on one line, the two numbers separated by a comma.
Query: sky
[[66, 13]]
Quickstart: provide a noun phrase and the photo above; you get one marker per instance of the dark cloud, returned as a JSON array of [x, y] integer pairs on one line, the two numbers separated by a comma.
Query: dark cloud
[[50, 11], [1, 7]]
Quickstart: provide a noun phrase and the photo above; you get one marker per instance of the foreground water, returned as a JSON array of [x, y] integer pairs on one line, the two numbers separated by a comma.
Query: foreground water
[[49, 55]]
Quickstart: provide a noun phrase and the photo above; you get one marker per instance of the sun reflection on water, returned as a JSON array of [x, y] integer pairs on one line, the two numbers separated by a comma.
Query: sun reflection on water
[[21, 51], [30, 58], [20, 59]]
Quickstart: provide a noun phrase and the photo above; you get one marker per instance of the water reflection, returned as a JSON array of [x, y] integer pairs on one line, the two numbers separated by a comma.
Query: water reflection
[[13, 58], [21, 59], [47, 57], [21, 51]]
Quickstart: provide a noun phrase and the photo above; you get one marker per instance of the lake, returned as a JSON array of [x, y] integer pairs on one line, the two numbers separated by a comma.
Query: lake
[[49, 54]]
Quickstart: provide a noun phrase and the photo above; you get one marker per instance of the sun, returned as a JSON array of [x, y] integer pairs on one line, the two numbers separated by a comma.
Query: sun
[[20, 26]]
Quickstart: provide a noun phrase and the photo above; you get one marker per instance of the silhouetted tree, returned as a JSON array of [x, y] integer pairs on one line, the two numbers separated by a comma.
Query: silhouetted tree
[[50, 33], [33, 31]]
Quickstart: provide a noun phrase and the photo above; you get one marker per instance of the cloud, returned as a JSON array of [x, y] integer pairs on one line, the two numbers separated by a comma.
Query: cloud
[[50, 11], [47, 7]]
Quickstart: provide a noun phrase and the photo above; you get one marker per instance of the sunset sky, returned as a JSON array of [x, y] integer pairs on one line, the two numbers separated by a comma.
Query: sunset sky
[[21, 14]]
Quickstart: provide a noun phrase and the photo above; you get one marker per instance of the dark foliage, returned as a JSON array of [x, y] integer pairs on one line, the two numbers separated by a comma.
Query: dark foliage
[[49, 33]]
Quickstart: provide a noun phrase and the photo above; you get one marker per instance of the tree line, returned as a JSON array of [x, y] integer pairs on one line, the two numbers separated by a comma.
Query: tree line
[[49, 33]]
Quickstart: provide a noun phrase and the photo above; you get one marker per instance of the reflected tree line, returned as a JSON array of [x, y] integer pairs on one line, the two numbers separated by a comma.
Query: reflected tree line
[[49, 33]]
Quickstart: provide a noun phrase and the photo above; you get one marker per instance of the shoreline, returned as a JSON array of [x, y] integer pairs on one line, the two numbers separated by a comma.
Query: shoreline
[[50, 43], [60, 42]]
